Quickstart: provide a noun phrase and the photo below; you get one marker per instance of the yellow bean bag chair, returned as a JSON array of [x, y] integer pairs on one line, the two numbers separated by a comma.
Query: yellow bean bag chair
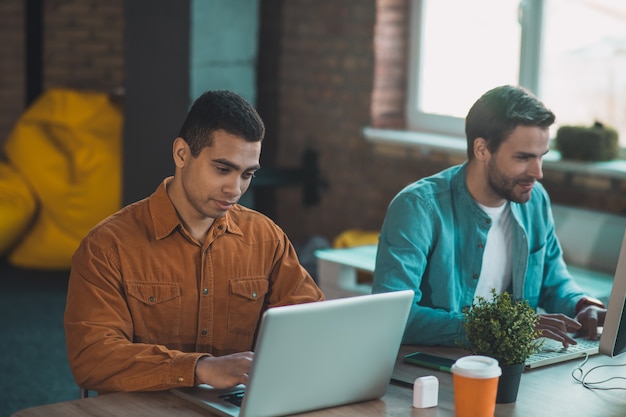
[[17, 206], [67, 146]]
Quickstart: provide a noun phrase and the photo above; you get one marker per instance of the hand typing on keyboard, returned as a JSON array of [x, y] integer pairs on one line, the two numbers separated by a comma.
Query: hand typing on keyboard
[[557, 327], [591, 316], [224, 371]]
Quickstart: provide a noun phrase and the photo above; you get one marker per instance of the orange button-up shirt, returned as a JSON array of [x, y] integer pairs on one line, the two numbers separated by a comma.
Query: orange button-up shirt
[[146, 300]]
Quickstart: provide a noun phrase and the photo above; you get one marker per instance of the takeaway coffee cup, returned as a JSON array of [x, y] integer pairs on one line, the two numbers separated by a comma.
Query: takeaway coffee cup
[[475, 381]]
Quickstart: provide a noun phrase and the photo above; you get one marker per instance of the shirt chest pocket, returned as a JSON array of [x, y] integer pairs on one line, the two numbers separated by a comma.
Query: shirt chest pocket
[[155, 310], [151, 293], [246, 300]]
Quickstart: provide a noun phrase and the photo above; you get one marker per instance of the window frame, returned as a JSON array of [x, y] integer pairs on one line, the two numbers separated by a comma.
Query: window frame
[[531, 19]]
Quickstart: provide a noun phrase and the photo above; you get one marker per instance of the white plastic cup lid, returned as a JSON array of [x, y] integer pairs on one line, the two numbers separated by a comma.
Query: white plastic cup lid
[[476, 366]]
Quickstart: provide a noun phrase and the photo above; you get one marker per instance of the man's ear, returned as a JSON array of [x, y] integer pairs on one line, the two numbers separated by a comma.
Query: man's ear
[[480, 149], [180, 151]]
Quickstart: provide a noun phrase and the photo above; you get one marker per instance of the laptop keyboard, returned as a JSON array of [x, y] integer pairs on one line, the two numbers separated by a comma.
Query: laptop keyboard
[[553, 351], [235, 398]]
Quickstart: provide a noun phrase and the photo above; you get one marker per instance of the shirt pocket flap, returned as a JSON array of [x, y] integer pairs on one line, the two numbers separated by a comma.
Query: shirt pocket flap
[[251, 289], [152, 293]]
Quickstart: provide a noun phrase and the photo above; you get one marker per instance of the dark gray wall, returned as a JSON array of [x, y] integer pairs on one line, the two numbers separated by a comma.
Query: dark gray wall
[[157, 91]]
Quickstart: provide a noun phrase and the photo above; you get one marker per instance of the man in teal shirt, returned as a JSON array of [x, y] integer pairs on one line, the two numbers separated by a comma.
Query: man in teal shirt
[[484, 224]]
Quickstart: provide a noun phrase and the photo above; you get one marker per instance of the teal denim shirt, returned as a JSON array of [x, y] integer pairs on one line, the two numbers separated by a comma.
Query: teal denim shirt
[[432, 241]]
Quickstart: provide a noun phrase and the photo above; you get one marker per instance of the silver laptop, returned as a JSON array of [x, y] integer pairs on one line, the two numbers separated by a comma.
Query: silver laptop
[[612, 342], [316, 355]]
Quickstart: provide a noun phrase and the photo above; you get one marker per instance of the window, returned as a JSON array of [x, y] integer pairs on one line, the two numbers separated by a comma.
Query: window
[[571, 53]]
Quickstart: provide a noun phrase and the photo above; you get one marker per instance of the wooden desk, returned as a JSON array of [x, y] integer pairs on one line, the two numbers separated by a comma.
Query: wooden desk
[[548, 391]]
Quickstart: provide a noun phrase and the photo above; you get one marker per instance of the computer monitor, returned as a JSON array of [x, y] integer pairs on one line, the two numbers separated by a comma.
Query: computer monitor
[[613, 340]]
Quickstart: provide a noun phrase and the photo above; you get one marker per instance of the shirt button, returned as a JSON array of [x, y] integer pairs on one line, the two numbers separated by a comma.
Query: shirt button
[[220, 227], [205, 291], [253, 295], [181, 379], [203, 332], [151, 299], [480, 246], [488, 221], [475, 276]]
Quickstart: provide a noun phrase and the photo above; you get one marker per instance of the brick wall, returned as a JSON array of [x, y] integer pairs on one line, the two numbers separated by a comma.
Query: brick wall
[[330, 76], [326, 83], [83, 46], [82, 49], [390, 64], [12, 77], [332, 85]]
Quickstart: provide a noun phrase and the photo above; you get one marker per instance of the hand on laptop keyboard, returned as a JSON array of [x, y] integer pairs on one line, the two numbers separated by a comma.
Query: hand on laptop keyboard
[[224, 371], [590, 317], [558, 327]]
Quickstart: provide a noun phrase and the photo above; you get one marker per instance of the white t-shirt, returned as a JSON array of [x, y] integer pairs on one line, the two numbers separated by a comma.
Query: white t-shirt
[[496, 270]]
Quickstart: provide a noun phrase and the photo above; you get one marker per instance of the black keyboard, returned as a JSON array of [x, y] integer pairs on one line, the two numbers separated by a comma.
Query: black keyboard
[[235, 398]]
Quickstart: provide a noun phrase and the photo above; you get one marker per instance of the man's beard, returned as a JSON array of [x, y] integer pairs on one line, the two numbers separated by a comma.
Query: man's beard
[[505, 186]]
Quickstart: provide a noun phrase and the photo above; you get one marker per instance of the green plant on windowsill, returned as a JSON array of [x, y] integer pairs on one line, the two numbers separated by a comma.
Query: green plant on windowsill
[[588, 143], [502, 328]]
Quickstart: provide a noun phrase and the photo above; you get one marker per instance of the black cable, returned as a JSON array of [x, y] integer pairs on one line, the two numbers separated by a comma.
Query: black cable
[[401, 383]]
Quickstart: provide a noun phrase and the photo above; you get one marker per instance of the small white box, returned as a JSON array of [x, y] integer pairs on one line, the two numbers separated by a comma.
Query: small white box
[[426, 392]]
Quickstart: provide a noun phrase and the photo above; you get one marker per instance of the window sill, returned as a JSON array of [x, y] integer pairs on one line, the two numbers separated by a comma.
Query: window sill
[[456, 146]]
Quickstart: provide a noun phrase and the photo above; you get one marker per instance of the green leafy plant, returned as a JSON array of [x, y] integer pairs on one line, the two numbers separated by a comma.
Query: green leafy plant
[[502, 328], [588, 143]]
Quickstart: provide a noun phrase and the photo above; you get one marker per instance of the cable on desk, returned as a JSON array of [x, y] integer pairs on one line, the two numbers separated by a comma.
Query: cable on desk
[[401, 383], [580, 376]]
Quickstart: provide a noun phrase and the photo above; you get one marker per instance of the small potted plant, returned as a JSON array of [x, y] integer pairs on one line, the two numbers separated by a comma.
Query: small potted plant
[[503, 329]]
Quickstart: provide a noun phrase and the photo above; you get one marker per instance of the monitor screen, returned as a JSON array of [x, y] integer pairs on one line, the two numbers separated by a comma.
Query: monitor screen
[[620, 340], [613, 339]]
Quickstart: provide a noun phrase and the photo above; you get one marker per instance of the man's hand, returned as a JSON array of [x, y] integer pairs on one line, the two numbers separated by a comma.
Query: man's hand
[[224, 371], [557, 327], [590, 317]]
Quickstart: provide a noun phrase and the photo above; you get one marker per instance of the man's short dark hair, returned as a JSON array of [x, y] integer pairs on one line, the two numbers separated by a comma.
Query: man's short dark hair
[[220, 110], [499, 111]]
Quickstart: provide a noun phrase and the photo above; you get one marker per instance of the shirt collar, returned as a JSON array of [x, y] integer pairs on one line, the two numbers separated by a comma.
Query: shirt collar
[[228, 224], [165, 218]]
